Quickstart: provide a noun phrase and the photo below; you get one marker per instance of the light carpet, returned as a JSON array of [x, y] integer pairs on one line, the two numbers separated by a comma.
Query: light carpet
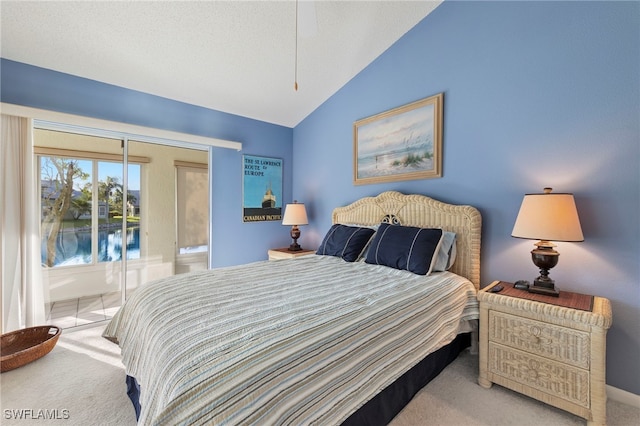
[[81, 382]]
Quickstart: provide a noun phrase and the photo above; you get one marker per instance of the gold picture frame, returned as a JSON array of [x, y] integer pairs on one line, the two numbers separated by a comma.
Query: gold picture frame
[[403, 143]]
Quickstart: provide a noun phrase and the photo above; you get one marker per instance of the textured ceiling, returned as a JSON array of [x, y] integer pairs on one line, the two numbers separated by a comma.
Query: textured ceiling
[[232, 56]]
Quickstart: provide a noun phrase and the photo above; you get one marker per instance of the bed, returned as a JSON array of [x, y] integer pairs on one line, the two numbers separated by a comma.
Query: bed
[[344, 336]]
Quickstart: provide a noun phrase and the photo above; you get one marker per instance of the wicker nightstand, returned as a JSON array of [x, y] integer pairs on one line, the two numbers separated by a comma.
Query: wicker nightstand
[[285, 253], [556, 354]]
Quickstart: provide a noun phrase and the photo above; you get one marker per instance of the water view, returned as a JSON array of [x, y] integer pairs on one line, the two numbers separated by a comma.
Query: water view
[[73, 246]]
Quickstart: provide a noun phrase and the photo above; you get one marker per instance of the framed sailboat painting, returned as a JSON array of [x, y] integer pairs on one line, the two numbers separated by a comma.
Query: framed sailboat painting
[[261, 188], [403, 143]]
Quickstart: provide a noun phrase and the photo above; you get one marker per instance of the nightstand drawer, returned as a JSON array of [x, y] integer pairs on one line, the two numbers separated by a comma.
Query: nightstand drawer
[[547, 340], [554, 378]]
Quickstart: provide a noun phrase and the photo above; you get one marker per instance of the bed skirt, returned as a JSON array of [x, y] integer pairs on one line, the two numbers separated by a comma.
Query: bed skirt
[[382, 408]]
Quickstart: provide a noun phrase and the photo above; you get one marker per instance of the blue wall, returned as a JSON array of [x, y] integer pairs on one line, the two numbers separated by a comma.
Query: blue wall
[[233, 242], [535, 94]]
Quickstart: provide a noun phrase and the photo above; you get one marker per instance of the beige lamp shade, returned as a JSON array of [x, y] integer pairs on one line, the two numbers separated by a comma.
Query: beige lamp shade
[[547, 216], [295, 214]]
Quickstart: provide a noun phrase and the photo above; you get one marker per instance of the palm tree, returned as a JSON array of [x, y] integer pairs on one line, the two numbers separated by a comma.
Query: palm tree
[[109, 190], [106, 190]]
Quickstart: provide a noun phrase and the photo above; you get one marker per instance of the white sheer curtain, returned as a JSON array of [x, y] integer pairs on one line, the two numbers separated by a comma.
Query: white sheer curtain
[[20, 270]]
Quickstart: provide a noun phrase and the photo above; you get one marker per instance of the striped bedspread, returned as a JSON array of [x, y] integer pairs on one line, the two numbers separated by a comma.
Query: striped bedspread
[[302, 341]]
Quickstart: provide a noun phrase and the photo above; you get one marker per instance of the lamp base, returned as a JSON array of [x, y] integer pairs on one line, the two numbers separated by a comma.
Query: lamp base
[[546, 287], [295, 234], [545, 258], [295, 247]]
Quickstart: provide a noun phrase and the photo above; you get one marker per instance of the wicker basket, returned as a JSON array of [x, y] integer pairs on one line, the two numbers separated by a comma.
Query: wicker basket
[[21, 347]]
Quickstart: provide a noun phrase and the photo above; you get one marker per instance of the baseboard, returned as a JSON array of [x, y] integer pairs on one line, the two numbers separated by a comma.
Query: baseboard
[[623, 396]]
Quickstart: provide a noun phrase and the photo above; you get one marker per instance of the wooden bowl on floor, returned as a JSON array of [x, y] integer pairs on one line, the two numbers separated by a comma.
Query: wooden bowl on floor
[[21, 347]]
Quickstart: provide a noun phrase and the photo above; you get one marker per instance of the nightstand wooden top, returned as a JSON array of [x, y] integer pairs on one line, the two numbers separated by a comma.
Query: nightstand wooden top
[[567, 299], [287, 251]]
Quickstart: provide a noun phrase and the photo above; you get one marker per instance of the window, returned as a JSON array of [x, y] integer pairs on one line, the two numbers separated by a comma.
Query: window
[[71, 190], [192, 196]]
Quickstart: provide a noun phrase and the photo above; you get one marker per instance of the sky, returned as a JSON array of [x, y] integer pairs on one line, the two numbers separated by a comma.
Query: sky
[[107, 169]]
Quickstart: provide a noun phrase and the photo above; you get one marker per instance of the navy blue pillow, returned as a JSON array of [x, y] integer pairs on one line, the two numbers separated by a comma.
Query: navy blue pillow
[[405, 247], [346, 242]]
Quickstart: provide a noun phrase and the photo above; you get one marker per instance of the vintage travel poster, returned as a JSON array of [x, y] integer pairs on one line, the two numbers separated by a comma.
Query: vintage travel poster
[[261, 188]]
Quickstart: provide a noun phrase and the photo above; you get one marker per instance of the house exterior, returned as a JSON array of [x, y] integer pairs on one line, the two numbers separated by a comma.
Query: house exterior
[[535, 94], [48, 191]]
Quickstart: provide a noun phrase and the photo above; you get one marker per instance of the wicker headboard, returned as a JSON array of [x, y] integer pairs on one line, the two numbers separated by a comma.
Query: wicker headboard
[[424, 212]]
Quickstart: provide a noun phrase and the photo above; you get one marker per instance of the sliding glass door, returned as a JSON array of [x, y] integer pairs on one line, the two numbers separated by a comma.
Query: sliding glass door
[[115, 214], [80, 195], [173, 212]]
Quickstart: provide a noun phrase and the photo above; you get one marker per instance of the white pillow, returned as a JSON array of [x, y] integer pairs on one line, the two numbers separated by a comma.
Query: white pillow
[[447, 253]]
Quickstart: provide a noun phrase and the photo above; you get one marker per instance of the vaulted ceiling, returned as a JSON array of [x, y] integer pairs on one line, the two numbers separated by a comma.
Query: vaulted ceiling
[[233, 56]]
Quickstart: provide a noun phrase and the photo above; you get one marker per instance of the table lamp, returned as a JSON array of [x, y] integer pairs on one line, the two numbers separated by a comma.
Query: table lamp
[[294, 215], [547, 217]]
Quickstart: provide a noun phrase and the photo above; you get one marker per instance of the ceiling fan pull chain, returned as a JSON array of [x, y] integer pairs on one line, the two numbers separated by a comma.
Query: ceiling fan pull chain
[[295, 78]]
